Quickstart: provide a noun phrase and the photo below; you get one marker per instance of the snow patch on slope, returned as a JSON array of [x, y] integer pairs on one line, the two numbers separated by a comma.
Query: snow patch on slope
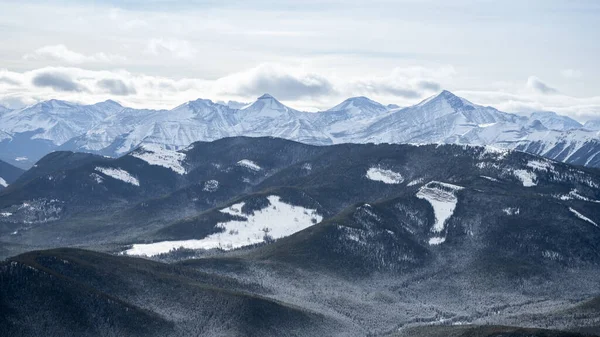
[[34, 211], [575, 195], [583, 217], [416, 182], [496, 152], [275, 221], [155, 154], [527, 178], [511, 211], [3, 182], [119, 174], [98, 178], [490, 178], [385, 176], [442, 197], [249, 164], [211, 186]]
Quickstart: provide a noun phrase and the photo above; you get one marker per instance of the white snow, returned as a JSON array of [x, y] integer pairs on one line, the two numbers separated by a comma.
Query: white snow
[[155, 154], [353, 121], [98, 178], [541, 165], [527, 178], [551, 255], [497, 152], [490, 178], [583, 217], [3, 182], [385, 176], [276, 221], [575, 195], [119, 174], [443, 202], [307, 166], [511, 211], [211, 186], [487, 165], [21, 158], [436, 241], [249, 164], [415, 182], [5, 214]]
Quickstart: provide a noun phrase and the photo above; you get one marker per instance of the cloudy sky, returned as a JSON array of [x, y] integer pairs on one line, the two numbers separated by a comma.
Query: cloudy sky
[[518, 56]]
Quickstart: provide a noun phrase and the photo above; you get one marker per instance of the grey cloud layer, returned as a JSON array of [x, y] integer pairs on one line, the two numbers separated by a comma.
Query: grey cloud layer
[[285, 86], [57, 81], [539, 86], [116, 87], [293, 85]]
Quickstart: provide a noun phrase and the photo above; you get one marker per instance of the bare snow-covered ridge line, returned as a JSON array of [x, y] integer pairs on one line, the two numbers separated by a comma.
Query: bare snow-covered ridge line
[[155, 154], [275, 221], [119, 174]]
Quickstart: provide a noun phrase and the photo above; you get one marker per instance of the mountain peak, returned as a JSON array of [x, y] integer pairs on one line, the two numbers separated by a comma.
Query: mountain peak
[[454, 101], [54, 103], [199, 104], [446, 93], [266, 105], [554, 121], [362, 100], [359, 102], [593, 124], [266, 96], [203, 101], [110, 103]]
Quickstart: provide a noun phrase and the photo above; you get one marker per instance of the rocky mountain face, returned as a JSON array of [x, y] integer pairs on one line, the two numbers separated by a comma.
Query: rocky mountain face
[[270, 237], [109, 129]]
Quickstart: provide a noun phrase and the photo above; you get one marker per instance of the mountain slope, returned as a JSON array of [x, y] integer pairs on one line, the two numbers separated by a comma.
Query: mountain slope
[[109, 129], [137, 197], [176, 129], [8, 174], [553, 121], [484, 331], [269, 117], [274, 237], [81, 293], [34, 131]]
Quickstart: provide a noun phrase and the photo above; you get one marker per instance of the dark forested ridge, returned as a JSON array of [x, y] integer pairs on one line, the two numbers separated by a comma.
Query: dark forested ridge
[[378, 240]]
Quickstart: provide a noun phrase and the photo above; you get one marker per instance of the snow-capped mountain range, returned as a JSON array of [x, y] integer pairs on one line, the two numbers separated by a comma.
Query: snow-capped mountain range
[[110, 129]]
